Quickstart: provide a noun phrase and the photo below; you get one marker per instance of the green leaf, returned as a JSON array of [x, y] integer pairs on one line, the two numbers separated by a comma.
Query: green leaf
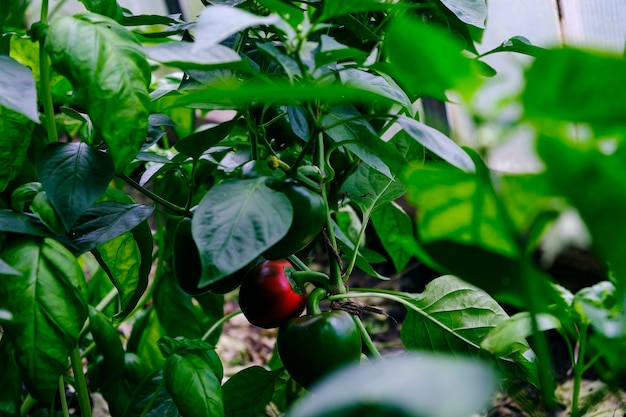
[[122, 260], [192, 383], [105, 221], [413, 385], [197, 143], [345, 125], [15, 131], [175, 308], [456, 317], [186, 55], [10, 383], [146, 333], [472, 12], [22, 223], [391, 222], [108, 8], [103, 60], [234, 94], [218, 23], [518, 44], [151, 399], [426, 60], [290, 65], [558, 87], [248, 391], [378, 84], [332, 51], [17, 88], [369, 189], [599, 194], [334, 8], [460, 207], [74, 177], [437, 143], [347, 248], [508, 335], [42, 208], [5, 269], [236, 221], [49, 297], [23, 195]]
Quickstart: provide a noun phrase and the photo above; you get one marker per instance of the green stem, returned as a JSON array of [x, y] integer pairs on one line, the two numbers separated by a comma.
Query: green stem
[[44, 80], [157, 199], [313, 301], [108, 299], [319, 279], [29, 402], [298, 263], [579, 369], [365, 336], [219, 323], [81, 384], [64, 408]]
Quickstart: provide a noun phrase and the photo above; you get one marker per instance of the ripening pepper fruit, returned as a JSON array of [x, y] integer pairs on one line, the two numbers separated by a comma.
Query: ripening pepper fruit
[[309, 216], [267, 297], [188, 266], [313, 346]]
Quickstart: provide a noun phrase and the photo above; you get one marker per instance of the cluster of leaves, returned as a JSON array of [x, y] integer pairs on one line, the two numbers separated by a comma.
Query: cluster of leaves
[[329, 86]]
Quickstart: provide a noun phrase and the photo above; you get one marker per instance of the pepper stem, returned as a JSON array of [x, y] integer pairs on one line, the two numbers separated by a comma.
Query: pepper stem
[[313, 301], [301, 278]]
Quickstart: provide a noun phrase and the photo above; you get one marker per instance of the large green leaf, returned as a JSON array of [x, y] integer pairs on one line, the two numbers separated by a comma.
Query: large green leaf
[[184, 55], [560, 87], [392, 223], [454, 316], [105, 221], [461, 207], [175, 308], [369, 189], [194, 386], [412, 385], [108, 8], [472, 12], [217, 23], [74, 176], [10, 383], [151, 399], [49, 297], [236, 221], [427, 60], [23, 223], [110, 76], [122, 260], [593, 182], [248, 391], [377, 84], [17, 88], [343, 125], [437, 143], [15, 131]]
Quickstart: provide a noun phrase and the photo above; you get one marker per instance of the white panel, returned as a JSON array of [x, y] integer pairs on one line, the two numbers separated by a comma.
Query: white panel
[[599, 24]]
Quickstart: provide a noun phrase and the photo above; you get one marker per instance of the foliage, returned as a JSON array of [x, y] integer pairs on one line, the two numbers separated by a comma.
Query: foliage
[[108, 142]]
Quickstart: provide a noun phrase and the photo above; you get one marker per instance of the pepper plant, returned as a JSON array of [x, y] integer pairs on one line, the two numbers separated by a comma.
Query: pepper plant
[[129, 214]]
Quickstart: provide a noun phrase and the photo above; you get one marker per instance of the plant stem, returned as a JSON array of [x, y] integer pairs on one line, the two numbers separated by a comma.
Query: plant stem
[[44, 81], [106, 300], [28, 403], [66, 412], [579, 369], [366, 337], [81, 384], [157, 199], [218, 323]]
